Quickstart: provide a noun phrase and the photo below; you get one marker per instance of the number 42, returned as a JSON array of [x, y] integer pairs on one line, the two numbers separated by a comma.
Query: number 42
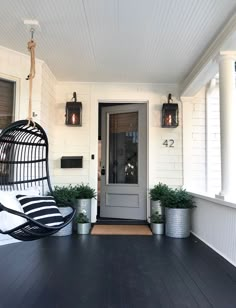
[[169, 143]]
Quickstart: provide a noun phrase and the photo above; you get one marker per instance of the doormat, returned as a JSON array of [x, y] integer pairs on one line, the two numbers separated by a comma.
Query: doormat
[[121, 230]]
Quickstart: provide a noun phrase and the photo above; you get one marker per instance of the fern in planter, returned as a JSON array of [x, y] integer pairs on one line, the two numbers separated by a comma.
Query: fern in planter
[[178, 204], [82, 218], [83, 224], [178, 198], [156, 218], [157, 223], [84, 191], [158, 191], [83, 199], [64, 195]]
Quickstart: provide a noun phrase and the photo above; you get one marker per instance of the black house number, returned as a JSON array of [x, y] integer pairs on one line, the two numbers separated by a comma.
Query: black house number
[[169, 143]]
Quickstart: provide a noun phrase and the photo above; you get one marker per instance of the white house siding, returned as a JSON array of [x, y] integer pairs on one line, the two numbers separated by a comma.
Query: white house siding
[[213, 141], [71, 141], [48, 100], [47, 111], [199, 142], [194, 142]]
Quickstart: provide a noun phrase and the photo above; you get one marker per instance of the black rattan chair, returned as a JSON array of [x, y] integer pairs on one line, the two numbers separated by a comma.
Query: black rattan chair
[[24, 164]]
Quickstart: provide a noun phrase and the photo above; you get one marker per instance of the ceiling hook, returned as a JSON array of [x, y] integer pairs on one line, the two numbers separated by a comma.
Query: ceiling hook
[[32, 33]]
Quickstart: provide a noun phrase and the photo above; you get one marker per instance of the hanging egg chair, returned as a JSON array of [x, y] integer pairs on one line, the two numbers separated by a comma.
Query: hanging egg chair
[[24, 165]]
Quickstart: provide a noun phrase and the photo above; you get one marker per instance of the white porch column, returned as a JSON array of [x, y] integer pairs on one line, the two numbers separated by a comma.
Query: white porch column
[[187, 117], [227, 124]]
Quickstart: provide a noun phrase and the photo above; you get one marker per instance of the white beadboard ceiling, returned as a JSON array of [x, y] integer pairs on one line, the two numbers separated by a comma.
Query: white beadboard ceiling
[[151, 41]]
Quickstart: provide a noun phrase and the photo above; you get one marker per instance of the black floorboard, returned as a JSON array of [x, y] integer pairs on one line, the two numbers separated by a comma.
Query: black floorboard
[[115, 272]]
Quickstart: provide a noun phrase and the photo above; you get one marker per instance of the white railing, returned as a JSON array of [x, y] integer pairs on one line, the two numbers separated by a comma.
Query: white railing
[[214, 222]]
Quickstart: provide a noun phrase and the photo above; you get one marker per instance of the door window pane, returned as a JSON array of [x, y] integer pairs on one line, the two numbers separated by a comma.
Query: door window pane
[[123, 148]]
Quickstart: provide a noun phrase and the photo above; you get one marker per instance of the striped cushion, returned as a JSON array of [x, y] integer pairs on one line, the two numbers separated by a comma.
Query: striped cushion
[[41, 208]]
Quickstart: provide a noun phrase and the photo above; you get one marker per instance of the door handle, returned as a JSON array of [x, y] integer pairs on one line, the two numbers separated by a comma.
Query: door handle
[[103, 171]]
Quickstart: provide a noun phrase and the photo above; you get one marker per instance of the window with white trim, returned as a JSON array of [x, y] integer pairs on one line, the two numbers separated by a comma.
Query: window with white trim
[[7, 90]]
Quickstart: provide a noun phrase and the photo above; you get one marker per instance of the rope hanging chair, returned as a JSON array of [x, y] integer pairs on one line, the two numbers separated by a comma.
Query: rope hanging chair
[[24, 165]]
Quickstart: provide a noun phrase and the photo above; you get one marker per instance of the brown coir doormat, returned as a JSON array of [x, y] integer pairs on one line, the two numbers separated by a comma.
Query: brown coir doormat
[[121, 230]]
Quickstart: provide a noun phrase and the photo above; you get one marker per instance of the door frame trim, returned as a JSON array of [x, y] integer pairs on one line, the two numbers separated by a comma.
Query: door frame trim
[[94, 176]]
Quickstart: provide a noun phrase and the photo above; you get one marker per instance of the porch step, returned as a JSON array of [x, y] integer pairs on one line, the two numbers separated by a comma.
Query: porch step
[[117, 221]]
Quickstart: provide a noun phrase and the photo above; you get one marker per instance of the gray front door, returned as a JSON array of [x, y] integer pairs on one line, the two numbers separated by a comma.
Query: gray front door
[[124, 162]]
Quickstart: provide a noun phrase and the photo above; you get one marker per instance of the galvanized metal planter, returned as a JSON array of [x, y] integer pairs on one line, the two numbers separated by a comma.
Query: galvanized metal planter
[[67, 230], [177, 222], [157, 207], [82, 206], [83, 228], [157, 228]]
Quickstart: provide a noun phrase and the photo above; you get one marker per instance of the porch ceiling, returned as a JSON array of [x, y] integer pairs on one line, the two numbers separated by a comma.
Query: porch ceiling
[[153, 41]]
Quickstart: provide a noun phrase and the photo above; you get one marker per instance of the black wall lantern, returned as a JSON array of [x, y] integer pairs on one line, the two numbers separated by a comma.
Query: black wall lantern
[[170, 113], [74, 112]]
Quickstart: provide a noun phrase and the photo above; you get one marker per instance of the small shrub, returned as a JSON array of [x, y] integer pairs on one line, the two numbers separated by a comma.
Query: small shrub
[[157, 218], [178, 198], [158, 191], [64, 195], [82, 218], [84, 191]]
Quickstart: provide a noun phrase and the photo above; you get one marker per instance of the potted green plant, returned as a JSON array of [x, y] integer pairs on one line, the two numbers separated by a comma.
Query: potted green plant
[[64, 197], [157, 193], [83, 196], [83, 223], [157, 223], [178, 204]]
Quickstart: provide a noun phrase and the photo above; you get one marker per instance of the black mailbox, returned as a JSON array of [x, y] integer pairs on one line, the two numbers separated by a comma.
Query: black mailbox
[[72, 162]]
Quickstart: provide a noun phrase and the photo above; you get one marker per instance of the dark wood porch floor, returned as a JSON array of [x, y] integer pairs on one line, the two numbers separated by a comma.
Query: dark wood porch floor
[[115, 271]]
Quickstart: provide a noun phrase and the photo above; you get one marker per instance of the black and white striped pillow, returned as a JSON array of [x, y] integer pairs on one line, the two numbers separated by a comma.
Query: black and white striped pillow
[[41, 208]]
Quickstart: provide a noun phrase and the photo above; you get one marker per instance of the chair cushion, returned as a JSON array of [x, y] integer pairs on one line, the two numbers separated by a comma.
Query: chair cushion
[[33, 191], [41, 208], [10, 221]]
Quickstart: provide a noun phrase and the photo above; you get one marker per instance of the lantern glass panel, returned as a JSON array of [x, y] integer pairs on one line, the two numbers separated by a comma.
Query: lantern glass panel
[[170, 116], [73, 113]]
